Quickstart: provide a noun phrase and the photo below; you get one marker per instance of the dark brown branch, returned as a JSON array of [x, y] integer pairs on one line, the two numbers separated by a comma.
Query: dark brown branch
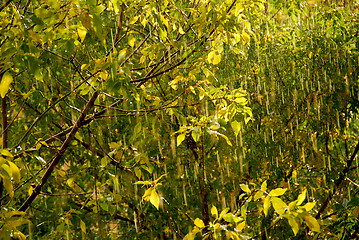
[[58, 156], [338, 182], [4, 135], [119, 25], [4, 123], [5, 5]]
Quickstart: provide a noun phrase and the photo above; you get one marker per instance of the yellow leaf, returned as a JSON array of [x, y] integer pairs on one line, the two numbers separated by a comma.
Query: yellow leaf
[[246, 37], [180, 30], [5, 84], [312, 223], [301, 197], [278, 205], [240, 226], [131, 40], [82, 226], [30, 190], [214, 57], [245, 188], [15, 171], [8, 186], [293, 223], [147, 194], [196, 135], [277, 192], [155, 199], [264, 186], [266, 205], [236, 127], [258, 195], [180, 139], [82, 32], [70, 182], [122, 54], [19, 235], [5, 153], [214, 211], [309, 206], [163, 34], [292, 205], [199, 223], [134, 19]]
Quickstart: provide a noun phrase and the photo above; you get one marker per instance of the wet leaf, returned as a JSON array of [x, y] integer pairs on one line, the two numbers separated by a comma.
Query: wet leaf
[[82, 31], [199, 223], [278, 205], [266, 205], [240, 226], [15, 171], [236, 126], [312, 223], [308, 206], [294, 224], [264, 186], [180, 138], [5, 84], [155, 199], [301, 197], [277, 192], [214, 211], [245, 188], [82, 226]]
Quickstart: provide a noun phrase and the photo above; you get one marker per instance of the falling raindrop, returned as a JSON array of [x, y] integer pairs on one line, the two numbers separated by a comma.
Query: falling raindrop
[[184, 194]]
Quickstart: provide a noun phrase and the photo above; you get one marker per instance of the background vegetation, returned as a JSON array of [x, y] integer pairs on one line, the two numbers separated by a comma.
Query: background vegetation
[[233, 119]]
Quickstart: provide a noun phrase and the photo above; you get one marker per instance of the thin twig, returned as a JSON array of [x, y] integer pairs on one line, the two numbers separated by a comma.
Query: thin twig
[[58, 156]]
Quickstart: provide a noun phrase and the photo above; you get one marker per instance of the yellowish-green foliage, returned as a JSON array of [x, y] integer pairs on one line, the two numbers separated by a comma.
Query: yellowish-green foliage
[[179, 119]]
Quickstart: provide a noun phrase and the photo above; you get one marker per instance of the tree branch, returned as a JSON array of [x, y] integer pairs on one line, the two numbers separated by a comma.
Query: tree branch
[[58, 156]]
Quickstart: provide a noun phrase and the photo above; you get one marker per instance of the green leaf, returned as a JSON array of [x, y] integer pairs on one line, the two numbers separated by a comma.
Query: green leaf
[[180, 138], [277, 192], [5, 84], [155, 199], [199, 223]]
